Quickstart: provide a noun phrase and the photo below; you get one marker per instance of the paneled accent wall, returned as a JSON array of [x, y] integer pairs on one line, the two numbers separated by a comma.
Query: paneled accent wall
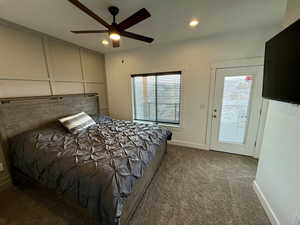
[[32, 63]]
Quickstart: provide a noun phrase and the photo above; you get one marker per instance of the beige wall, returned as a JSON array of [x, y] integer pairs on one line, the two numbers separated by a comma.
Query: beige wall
[[35, 64], [277, 177], [193, 58]]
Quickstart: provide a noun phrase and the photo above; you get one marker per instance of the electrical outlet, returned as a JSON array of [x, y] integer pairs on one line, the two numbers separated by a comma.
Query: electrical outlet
[[1, 167], [297, 221]]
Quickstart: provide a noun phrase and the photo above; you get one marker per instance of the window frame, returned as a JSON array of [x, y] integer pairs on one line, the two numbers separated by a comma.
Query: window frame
[[156, 74]]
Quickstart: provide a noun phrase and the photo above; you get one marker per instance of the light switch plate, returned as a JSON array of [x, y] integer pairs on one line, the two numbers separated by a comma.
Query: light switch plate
[[1, 167]]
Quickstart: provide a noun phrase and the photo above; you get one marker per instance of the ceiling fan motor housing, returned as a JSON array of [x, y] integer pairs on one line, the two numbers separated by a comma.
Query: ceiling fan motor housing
[[114, 29], [113, 10]]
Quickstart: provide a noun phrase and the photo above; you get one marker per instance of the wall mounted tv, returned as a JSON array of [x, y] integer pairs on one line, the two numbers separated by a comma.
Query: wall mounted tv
[[282, 66]]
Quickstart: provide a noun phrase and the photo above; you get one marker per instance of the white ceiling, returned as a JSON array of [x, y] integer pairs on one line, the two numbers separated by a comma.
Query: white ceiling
[[169, 21]]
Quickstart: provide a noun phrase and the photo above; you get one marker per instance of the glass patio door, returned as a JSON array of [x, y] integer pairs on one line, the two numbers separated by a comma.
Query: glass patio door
[[236, 109]]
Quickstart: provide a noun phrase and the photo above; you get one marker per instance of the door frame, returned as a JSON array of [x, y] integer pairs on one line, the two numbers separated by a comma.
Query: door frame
[[236, 63]]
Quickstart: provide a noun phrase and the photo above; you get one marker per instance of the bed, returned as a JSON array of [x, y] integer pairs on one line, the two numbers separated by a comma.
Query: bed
[[105, 169]]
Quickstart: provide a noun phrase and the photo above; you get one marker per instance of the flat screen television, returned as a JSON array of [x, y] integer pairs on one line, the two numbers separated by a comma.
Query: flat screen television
[[282, 66]]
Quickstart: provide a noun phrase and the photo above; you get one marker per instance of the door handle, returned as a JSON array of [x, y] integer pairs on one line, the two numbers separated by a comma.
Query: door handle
[[214, 116]]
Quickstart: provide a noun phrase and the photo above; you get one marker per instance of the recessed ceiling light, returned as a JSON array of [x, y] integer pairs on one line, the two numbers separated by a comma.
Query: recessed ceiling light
[[194, 23], [105, 42]]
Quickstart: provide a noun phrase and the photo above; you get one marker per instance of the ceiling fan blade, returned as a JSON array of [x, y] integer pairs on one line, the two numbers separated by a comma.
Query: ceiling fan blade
[[88, 31], [136, 36], [137, 17], [116, 43], [89, 12]]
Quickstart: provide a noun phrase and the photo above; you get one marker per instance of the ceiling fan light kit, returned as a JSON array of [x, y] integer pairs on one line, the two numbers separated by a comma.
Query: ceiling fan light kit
[[114, 36], [115, 30]]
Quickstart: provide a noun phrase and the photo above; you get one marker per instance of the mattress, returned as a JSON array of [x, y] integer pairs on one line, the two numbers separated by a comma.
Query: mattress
[[98, 168]]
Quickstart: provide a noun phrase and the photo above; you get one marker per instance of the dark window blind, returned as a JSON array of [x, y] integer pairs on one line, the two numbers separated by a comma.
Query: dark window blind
[[157, 97]]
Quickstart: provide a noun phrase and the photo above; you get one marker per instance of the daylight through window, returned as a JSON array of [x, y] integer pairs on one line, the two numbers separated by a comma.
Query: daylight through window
[[157, 97]]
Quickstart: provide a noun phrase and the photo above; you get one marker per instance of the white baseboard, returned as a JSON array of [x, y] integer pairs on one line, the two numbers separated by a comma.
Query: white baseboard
[[266, 205], [189, 144]]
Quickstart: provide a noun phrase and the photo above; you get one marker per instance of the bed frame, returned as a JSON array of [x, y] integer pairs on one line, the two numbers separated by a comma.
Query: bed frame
[[25, 113]]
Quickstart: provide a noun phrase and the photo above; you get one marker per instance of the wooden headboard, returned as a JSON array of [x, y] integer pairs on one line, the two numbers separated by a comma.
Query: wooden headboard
[[25, 113]]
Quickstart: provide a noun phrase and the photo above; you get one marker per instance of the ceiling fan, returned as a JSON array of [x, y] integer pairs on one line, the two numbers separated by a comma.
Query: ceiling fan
[[115, 30]]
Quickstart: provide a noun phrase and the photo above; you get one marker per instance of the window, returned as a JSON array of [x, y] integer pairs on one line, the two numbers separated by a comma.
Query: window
[[156, 97]]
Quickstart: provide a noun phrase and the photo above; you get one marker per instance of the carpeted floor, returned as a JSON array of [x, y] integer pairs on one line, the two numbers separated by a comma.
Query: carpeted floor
[[192, 187]]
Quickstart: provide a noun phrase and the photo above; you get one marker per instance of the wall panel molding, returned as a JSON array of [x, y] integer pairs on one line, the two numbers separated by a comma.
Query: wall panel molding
[[82, 67], [34, 64], [19, 88], [22, 79], [21, 54], [48, 64], [65, 60], [94, 66], [88, 65]]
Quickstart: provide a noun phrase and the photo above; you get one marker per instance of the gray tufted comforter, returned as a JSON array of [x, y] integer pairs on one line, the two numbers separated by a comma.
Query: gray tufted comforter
[[97, 167]]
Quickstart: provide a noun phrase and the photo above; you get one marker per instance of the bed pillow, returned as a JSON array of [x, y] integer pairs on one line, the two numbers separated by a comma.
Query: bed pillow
[[77, 122], [98, 118]]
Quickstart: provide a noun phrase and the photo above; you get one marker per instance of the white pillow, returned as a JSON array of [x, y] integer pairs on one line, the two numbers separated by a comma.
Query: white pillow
[[77, 122]]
